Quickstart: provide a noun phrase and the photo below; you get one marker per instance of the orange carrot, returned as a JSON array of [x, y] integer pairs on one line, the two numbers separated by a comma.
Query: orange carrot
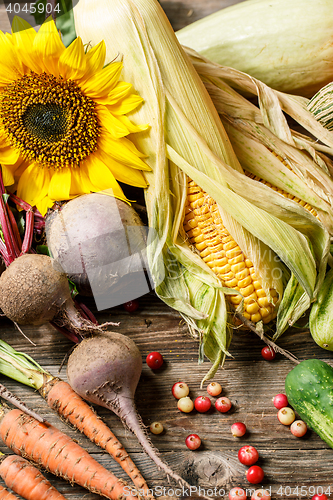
[[46, 446], [26, 480], [7, 495], [60, 396]]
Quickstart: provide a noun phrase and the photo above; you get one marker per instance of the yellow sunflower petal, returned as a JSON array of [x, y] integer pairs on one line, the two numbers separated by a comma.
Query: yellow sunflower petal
[[7, 175], [23, 38], [9, 155], [48, 46], [95, 58], [10, 65], [126, 105], [60, 184], [44, 204], [131, 127], [81, 184], [3, 139], [33, 184], [72, 62], [103, 82], [19, 171], [121, 172], [101, 177], [121, 90], [114, 126], [123, 151]]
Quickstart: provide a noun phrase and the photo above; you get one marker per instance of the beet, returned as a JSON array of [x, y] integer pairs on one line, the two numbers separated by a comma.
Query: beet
[[33, 290], [105, 370], [100, 243], [19, 283]]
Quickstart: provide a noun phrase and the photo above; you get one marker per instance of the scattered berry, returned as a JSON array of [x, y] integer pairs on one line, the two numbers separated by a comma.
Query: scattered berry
[[280, 401], [193, 441], [131, 306], [319, 497], [268, 353], [298, 428], [214, 389], [156, 428], [223, 404], [237, 493], [185, 404], [202, 404], [180, 390], [286, 415], [238, 429], [261, 495], [255, 474], [248, 455], [154, 360]]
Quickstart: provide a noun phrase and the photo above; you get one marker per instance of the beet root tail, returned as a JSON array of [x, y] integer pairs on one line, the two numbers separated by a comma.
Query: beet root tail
[[70, 317], [132, 420]]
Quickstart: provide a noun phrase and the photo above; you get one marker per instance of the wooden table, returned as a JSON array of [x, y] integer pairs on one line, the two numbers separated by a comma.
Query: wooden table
[[249, 381]]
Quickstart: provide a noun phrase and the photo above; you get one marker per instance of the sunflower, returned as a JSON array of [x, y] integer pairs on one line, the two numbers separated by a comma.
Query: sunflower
[[63, 122]]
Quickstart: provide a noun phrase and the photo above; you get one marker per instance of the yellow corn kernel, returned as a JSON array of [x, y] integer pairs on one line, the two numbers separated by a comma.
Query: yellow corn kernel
[[205, 230]]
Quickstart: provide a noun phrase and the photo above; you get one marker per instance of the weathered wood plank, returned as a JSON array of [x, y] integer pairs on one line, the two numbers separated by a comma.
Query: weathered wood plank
[[247, 380]]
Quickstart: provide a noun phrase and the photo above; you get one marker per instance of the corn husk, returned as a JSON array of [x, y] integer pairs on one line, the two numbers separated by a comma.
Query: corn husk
[[187, 138], [286, 44], [258, 134]]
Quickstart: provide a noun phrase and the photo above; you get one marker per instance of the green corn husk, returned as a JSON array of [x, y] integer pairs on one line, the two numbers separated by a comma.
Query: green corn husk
[[187, 138], [286, 44]]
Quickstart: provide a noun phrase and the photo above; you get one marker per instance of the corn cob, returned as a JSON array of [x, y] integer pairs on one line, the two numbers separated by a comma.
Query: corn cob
[[284, 193], [187, 140], [206, 232], [204, 228]]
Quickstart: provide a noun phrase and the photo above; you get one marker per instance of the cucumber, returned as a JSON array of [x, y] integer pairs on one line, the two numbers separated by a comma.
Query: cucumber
[[309, 389], [321, 315]]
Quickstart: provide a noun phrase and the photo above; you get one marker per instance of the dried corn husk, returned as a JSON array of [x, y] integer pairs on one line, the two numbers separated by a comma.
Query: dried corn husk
[[286, 44], [268, 148], [187, 138]]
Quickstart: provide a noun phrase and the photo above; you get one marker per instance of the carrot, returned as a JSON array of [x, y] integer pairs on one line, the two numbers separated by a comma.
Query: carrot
[[46, 446], [26, 480], [7, 495], [60, 397]]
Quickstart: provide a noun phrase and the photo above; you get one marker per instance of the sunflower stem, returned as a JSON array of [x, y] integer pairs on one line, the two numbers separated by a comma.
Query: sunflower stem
[[29, 231]]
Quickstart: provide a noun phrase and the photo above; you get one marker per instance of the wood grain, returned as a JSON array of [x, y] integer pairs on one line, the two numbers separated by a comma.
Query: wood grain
[[246, 379], [249, 381]]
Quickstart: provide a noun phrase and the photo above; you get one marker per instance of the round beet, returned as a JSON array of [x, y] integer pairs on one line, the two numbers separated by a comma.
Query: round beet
[[105, 370], [32, 290], [98, 241]]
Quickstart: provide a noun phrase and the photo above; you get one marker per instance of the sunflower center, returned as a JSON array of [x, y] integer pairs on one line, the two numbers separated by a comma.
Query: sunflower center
[[49, 119], [45, 121]]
